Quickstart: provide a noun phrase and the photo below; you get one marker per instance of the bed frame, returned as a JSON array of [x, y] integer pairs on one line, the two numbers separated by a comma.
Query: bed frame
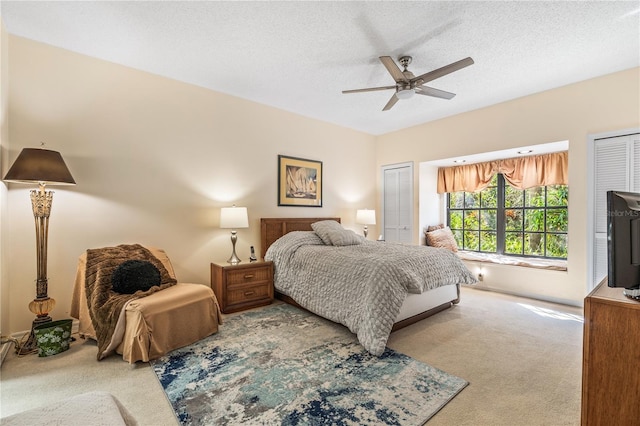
[[273, 228]]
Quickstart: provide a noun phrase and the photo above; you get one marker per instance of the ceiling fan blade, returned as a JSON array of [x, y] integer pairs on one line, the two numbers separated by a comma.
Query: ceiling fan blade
[[436, 93], [391, 102], [393, 69], [440, 72], [369, 89]]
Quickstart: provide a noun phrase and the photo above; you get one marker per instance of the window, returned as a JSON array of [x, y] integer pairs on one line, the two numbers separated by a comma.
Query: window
[[504, 220]]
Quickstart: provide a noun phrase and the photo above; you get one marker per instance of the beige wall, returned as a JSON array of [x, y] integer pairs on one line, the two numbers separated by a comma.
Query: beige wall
[[570, 113], [154, 160]]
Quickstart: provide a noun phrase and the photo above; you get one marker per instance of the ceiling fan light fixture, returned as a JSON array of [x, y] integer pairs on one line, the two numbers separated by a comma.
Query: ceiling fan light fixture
[[405, 93]]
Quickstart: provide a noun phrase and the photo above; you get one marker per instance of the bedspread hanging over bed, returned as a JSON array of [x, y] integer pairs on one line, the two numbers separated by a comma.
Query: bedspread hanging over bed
[[361, 286]]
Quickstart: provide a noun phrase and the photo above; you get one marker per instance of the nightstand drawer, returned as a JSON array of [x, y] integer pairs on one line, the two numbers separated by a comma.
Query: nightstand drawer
[[249, 293], [248, 275]]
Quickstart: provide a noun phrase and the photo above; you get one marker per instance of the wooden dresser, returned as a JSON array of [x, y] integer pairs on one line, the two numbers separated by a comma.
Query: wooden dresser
[[611, 358], [242, 286]]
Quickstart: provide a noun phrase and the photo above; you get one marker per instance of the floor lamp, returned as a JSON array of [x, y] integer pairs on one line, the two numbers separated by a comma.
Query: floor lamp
[[44, 167]]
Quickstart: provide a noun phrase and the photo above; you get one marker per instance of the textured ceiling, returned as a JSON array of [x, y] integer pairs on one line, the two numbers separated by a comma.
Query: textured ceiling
[[299, 56]]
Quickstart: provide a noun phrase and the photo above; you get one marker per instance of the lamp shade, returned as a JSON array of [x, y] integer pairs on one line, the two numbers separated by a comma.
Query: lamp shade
[[39, 165], [234, 217], [366, 217]]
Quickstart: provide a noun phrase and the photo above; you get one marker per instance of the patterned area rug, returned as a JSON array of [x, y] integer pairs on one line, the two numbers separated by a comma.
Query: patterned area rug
[[283, 366]]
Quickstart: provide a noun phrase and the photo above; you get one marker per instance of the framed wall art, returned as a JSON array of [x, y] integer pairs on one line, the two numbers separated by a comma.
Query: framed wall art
[[299, 182]]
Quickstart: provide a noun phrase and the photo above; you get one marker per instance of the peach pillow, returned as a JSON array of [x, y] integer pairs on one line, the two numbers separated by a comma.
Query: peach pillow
[[442, 238]]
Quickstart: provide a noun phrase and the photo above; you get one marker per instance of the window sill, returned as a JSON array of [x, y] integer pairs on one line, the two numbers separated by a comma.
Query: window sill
[[551, 264]]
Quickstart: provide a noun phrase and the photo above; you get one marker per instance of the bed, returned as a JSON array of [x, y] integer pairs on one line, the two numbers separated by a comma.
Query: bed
[[289, 243]]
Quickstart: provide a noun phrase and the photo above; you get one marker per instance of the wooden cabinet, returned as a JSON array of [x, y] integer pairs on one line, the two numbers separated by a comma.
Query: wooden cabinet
[[611, 358], [242, 286]]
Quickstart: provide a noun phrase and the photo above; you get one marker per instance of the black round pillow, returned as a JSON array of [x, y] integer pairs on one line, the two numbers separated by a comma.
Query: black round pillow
[[133, 275]]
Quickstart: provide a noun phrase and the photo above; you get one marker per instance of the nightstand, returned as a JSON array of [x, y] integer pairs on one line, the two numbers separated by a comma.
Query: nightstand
[[242, 286]]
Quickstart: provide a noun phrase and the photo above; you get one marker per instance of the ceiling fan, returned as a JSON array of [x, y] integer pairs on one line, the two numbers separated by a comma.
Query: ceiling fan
[[407, 84]]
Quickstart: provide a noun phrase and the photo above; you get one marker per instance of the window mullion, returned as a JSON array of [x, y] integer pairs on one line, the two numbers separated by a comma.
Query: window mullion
[[500, 225], [544, 224]]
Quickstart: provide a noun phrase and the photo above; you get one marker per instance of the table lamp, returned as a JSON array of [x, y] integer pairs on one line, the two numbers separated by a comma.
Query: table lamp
[[234, 218], [366, 217]]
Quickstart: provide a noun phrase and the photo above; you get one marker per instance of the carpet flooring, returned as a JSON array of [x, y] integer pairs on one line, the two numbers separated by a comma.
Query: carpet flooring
[[522, 358]]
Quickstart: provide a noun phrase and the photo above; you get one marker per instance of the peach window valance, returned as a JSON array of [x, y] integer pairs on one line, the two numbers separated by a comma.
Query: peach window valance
[[521, 173]]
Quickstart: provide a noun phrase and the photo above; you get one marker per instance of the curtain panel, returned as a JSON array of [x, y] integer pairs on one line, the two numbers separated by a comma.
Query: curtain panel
[[521, 173]]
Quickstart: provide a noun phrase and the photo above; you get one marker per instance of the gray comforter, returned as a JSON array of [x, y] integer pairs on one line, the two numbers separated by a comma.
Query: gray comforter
[[360, 286]]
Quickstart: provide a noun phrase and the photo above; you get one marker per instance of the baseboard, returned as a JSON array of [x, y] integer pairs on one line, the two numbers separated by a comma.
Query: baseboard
[[550, 299]]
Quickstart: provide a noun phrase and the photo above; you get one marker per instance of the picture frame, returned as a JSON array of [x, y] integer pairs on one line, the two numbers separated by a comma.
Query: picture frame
[[299, 182]]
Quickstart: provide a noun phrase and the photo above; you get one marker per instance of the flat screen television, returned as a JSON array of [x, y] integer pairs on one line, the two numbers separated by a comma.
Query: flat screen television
[[623, 241]]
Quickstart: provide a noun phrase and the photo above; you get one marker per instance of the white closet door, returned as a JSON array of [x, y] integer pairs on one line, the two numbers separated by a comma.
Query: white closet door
[[405, 205], [390, 210], [617, 168], [398, 202], [612, 173]]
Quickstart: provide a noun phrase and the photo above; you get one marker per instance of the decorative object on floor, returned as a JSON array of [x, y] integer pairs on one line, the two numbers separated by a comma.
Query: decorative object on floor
[[366, 217], [53, 337], [283, 366], [299, 182], [234, 218], [44, 167]]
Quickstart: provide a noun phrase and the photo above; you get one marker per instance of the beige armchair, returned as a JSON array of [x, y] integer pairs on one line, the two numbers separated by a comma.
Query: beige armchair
[[149, 327]]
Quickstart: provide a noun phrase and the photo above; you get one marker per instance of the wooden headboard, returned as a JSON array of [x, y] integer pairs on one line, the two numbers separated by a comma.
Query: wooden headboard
[[273, 228]]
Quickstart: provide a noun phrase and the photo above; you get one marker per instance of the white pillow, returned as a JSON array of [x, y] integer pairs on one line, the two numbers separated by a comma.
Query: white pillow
[[333, 234]]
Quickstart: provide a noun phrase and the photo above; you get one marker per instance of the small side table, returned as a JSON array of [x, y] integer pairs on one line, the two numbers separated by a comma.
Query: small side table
[[242, 286]]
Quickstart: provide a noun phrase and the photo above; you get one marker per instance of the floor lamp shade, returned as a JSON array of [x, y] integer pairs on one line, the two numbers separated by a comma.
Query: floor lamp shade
[[234, 218], [43, 167], [36, 165]]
